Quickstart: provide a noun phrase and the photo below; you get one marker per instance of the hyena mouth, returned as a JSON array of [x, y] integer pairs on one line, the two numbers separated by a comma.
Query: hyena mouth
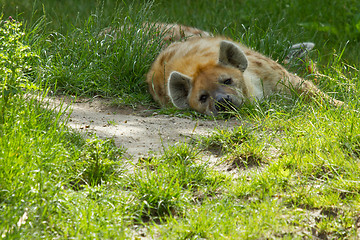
[[224, 103]]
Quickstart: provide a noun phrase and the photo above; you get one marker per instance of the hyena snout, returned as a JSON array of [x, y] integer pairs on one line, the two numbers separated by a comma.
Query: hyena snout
[[223, 102]]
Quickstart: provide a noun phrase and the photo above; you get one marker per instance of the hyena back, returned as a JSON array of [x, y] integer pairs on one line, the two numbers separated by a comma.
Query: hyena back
[[168, 32]]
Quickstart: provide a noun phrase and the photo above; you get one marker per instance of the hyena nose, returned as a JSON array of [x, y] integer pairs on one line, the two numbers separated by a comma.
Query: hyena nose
[[223, 102]]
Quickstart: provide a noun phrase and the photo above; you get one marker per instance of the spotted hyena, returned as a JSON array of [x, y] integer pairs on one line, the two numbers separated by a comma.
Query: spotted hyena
[[210, 74]]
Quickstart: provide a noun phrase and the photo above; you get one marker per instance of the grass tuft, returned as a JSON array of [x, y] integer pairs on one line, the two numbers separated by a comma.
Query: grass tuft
[[222, 141], [97, 162], [167, 184], [246, 156]]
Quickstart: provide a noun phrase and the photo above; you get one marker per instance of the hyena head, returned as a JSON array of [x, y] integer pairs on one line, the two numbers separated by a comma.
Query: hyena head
[[216, 86]]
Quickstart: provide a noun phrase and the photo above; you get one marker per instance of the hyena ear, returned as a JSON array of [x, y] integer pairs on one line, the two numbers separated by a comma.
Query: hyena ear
[[178, 89], [231, 54]]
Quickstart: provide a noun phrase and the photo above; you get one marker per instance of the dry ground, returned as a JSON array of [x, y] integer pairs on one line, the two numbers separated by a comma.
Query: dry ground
[[141, 131]]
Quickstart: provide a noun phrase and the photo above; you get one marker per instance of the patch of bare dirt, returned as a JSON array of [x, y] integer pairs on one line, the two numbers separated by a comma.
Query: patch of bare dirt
[[140, 131]]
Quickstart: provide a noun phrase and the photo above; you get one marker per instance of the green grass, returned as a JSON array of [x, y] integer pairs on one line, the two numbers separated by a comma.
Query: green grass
[[290, 171]]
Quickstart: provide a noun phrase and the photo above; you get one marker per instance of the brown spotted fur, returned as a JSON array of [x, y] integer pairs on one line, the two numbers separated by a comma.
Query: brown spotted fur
[[197, 71]]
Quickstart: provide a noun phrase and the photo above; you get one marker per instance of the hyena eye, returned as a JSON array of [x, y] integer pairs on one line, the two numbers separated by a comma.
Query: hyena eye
[[203, 98], [227, 81]]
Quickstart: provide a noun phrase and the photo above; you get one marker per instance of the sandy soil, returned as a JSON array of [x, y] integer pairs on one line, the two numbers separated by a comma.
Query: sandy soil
[[142, 132]]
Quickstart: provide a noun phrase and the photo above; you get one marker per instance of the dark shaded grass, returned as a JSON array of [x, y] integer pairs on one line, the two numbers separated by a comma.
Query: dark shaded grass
[[77, 61]]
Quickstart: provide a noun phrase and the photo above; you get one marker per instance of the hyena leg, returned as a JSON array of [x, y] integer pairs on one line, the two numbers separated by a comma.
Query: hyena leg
[[298, 56], [307, 88]]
